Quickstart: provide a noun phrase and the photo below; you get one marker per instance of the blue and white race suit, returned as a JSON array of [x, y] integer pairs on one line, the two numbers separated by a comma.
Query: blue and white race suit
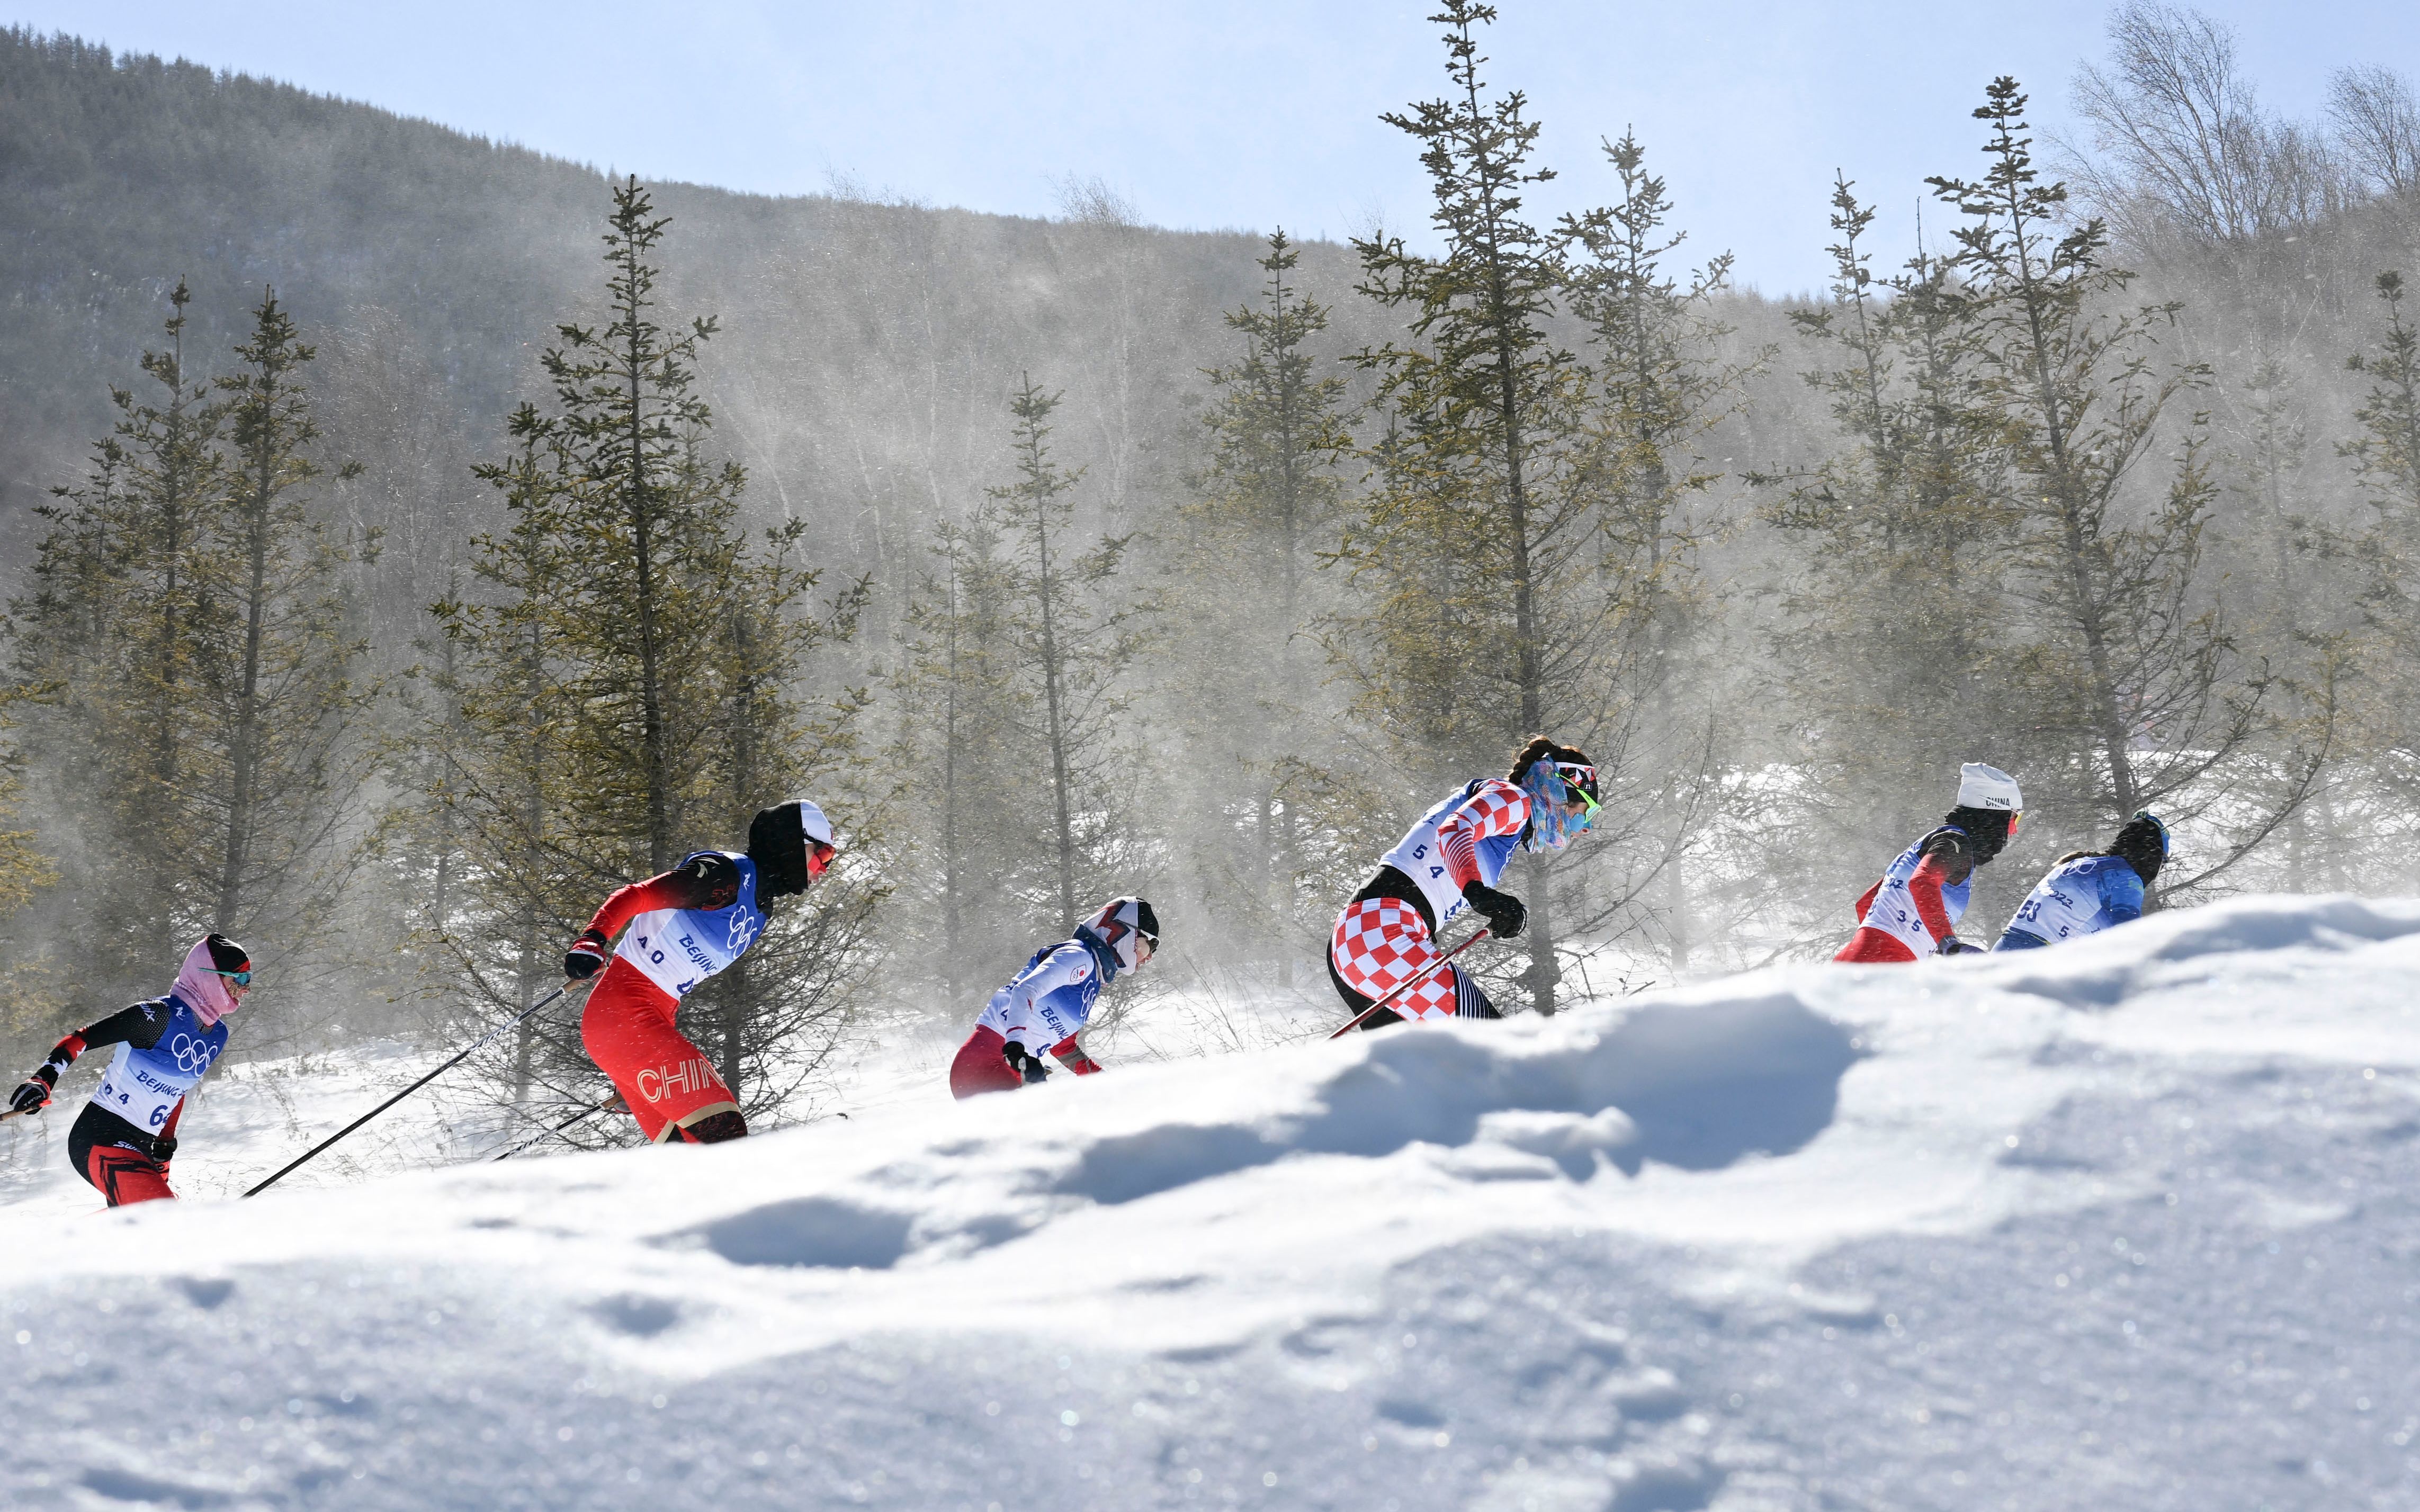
[[2080, 897], [676, 949], [143, 1087], [1050, 1002]]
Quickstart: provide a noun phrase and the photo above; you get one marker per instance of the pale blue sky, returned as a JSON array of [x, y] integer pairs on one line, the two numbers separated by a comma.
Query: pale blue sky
[[1220, 113]]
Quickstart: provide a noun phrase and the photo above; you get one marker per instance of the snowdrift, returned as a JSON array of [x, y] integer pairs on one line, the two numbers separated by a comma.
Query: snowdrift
[[2127, 1222]]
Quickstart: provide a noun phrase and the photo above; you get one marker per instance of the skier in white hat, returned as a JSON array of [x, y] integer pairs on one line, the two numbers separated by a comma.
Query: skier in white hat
[[1912, 912]]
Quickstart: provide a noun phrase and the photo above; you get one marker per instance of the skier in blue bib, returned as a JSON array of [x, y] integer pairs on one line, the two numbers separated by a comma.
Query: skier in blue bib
[[127, 1134], [2088, 891]]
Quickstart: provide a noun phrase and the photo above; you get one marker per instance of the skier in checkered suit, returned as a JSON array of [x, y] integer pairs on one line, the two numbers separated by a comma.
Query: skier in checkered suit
[[1451, 860]]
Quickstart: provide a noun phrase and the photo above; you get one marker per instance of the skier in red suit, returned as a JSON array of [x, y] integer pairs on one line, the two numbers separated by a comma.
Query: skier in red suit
[[1912, 912], [685, 926]]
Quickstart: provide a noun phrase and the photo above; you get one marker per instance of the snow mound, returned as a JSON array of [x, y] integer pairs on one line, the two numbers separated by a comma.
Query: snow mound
[[2126, 1221]]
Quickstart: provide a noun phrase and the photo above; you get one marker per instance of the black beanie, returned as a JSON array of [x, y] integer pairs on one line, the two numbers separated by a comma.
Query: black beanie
[[2143, 844], [778, 845], [1986, 830], [226, 955]]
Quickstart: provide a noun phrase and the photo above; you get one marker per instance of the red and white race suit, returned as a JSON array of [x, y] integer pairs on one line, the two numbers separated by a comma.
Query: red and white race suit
[[684, 926], [1384, 937]]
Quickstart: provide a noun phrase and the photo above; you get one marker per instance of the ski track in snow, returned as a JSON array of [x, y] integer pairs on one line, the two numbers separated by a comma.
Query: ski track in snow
[[2129, 1221]]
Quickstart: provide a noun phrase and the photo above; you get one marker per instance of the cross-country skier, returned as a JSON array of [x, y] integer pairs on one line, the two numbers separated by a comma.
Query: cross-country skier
[[1047, 1005], [2088, 891], [1912, 912], [1452, 859], [127, 1134], [685, 926]]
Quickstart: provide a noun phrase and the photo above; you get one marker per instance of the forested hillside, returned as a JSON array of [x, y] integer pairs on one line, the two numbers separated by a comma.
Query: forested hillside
[[870, 348], [1072, 557]]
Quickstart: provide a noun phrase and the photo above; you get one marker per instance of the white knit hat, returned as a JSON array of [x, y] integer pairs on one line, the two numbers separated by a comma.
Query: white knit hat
[[1987, 787]]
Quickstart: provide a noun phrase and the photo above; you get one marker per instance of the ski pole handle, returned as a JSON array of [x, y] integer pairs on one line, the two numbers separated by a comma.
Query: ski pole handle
[[415, 1086], [1424, 974]]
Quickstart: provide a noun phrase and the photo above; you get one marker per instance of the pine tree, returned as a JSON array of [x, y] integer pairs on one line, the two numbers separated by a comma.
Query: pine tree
[[1658, 385], [2130, 673], [771, 1019], [114, 631], [279, 683], [1897, 622], [968, 706], [1476, 540], [1076, 646], [1268, 489], [193, 587], [2385, 459], [626, 689], [657, 547], [29, 1009], [508, 886], [2274, 439]]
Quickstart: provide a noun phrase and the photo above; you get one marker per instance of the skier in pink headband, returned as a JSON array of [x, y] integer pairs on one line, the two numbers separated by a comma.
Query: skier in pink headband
[[125, 1136]]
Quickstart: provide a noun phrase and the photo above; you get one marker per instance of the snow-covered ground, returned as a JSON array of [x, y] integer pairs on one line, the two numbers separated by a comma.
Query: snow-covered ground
[[2131, 1222]]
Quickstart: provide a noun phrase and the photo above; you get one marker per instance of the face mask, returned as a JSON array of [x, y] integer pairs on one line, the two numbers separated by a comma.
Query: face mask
[[1552, 825], [211, 994]]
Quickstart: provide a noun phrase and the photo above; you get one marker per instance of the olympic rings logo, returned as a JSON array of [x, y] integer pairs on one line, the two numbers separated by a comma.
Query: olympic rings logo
[[193, 1057]]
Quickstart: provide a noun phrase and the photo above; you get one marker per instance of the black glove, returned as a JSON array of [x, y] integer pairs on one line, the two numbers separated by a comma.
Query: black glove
[[1505, 917], [1027, 1066], [34, 1092], [1954, 945], [164, 1148], [585, 958]]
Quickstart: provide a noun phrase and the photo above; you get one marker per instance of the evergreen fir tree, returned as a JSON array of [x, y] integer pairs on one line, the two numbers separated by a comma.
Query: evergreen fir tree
[[2385, 460], [114, 632], [657, 549], [1475, 541], [966, 708], [278, 682], [1897, 619], [2129, 676], [771, 1019], [190, 620], [1269, 488], [626, 690], [1076, 646], [501, 791], [1659, 385]]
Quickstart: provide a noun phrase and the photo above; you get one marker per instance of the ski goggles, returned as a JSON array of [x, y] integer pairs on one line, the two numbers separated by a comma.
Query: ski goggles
[[2157, 823], [1579, 781], [819, 858], [2016, 816], [241, 979]]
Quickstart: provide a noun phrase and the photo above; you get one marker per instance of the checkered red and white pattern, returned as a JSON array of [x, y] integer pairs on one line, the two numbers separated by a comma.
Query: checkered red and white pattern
[[1381, 943], [1498, 808]]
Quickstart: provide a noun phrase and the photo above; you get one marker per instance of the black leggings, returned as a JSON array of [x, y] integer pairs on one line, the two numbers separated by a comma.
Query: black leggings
[[115, 1157]]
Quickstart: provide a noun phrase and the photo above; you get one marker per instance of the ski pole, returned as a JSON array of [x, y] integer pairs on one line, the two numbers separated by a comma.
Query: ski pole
[[1419, 976], [415, 1086], [544, 1134]]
